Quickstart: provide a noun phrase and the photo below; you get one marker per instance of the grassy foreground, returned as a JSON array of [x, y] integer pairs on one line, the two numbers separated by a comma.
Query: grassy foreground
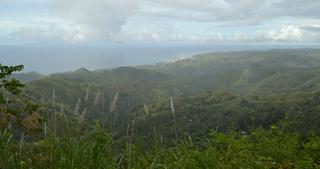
[[96, 149]]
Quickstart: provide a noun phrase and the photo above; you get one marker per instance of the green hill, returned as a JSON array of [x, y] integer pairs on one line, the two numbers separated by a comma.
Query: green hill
[[252, 109], [112, 96], [27, 77], [199, 114]]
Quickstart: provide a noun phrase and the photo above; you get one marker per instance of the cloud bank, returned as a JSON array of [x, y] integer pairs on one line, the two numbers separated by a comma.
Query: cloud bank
[[153, 21], [240, 11], [100, 18]]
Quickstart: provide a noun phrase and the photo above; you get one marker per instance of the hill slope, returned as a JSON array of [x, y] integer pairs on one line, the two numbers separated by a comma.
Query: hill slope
[[27, 77], [112, 96]]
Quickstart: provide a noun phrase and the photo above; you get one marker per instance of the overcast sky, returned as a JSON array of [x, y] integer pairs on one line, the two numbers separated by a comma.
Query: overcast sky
[[159, 21]]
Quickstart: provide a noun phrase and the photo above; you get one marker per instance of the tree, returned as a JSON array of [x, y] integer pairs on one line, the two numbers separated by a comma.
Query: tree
[[16, 111]]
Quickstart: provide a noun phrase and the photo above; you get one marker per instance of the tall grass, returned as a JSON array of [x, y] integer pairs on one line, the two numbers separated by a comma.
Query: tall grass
[[113, 107], [146, 109], [174, 117], [97, 98], [94, 148]]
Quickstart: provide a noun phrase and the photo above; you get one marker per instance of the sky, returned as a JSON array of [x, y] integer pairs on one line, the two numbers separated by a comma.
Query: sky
[[49, 36], [159, 21]]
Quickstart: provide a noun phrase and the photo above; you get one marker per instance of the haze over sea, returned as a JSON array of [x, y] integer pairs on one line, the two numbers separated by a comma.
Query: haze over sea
[[47, 59]]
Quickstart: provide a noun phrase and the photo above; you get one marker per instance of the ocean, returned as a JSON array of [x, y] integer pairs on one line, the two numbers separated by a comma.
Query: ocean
[[47, 59]]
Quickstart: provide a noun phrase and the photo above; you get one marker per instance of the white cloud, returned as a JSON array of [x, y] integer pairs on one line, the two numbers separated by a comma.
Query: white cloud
[[143, 35], [74, 34], [289, 34], [41, 30], [97, 18], [212, 38], [311, 28], [240, 37], [236, 11], [208, 21]]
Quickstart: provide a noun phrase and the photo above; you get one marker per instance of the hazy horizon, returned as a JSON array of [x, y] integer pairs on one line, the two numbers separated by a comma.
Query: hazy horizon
[[53, 59]]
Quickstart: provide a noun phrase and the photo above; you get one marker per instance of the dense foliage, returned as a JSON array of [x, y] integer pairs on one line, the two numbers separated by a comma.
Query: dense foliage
[[258, 109], [16, 112], [113, 96], [198, 114], [95, 148]]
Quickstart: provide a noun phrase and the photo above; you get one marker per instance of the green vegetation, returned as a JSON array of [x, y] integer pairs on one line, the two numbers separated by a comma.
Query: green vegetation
[[198, 114], [27, 77], [16, 111], [258, 109], [270, 83], [95, 148]]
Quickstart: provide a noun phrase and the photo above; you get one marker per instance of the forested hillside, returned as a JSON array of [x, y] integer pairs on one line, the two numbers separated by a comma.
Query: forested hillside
[[250, 109], [113, 96], [27, 77]]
